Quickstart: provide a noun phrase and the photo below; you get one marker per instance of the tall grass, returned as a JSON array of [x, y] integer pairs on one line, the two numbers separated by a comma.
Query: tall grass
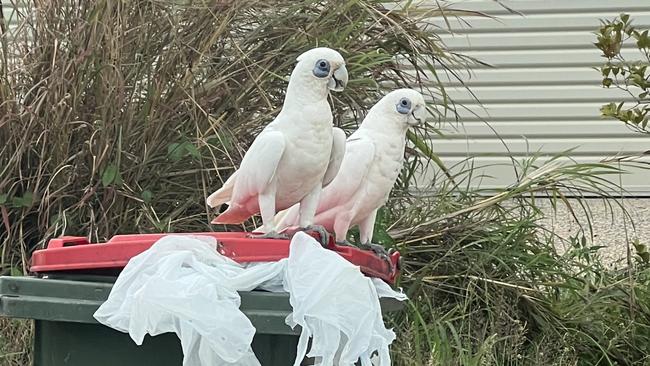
[[120, 116], [489, 286]]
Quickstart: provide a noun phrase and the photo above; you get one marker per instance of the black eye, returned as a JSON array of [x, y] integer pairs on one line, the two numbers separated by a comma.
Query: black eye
[[404, 106], [321, 69]]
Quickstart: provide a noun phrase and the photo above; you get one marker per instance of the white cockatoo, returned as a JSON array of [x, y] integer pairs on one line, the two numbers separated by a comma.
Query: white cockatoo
[[296, 154], [373, 159]]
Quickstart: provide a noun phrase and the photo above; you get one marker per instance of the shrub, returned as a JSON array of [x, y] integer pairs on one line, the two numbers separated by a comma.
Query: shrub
[[629, 75]]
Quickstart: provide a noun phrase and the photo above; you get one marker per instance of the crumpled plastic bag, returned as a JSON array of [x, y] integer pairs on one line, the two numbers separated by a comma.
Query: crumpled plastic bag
[[336, 306], [183, 285]]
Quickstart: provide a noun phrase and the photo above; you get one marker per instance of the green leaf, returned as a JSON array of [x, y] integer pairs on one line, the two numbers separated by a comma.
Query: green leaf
[[192, 150], [175, 151], [380, 236], [226, 141], [607, 82], [147, 196], [28, 199], [642, 40], [606, 70], [620, 106], [637, 79], [118, 179], [608, 110], [3, 198], [638, 246], [110, 175], [15, 272], [645, 257], [625, 17], [618, 27], [25, 201]]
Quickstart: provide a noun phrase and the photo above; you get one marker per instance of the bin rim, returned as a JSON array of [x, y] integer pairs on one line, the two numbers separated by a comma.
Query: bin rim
[[71, 253], [68, 300]]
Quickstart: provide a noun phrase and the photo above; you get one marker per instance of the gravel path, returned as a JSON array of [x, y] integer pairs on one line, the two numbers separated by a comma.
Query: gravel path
[[609, 231]]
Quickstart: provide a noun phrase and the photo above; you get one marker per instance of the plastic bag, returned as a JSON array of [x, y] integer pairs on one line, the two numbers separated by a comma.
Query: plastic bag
[[336, 305], [183, 285], [385, 291]]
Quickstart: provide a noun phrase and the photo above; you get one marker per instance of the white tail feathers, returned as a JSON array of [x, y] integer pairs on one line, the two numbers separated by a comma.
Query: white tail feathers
[[224, 193], [218, 198]]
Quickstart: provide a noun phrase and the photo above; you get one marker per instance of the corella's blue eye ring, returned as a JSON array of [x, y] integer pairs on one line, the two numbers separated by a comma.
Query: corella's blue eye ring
[[322, 69], [404, 106]]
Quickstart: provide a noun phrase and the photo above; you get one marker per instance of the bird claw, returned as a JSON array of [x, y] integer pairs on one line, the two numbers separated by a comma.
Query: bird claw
[[378, 249], [269, 235], [344, 243], [322, 233]]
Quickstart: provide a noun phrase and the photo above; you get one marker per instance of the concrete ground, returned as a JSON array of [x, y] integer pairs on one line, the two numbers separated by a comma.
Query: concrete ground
[[609, 231]]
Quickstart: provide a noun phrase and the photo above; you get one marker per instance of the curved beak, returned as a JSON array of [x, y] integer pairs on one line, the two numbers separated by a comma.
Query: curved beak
[[339, 79], [418, 116]]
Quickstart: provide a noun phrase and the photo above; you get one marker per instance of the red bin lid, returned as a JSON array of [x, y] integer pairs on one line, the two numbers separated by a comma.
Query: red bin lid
[[71, 253]]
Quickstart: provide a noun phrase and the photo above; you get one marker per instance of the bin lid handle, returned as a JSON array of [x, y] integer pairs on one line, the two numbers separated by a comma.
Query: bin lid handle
[[66, 241]]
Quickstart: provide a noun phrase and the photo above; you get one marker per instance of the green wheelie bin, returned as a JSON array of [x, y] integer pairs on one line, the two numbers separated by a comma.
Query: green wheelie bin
[[72, 278]]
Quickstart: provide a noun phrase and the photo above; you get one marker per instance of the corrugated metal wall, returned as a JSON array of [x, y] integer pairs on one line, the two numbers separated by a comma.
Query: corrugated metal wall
[[542, 93]]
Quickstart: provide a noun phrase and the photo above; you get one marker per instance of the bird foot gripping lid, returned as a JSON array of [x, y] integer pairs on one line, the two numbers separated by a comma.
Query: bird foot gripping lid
[[373, 260]]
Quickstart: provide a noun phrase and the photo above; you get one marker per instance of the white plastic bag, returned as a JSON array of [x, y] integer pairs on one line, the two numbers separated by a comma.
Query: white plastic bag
[[336, 305], [183, 285], [385, 291]]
